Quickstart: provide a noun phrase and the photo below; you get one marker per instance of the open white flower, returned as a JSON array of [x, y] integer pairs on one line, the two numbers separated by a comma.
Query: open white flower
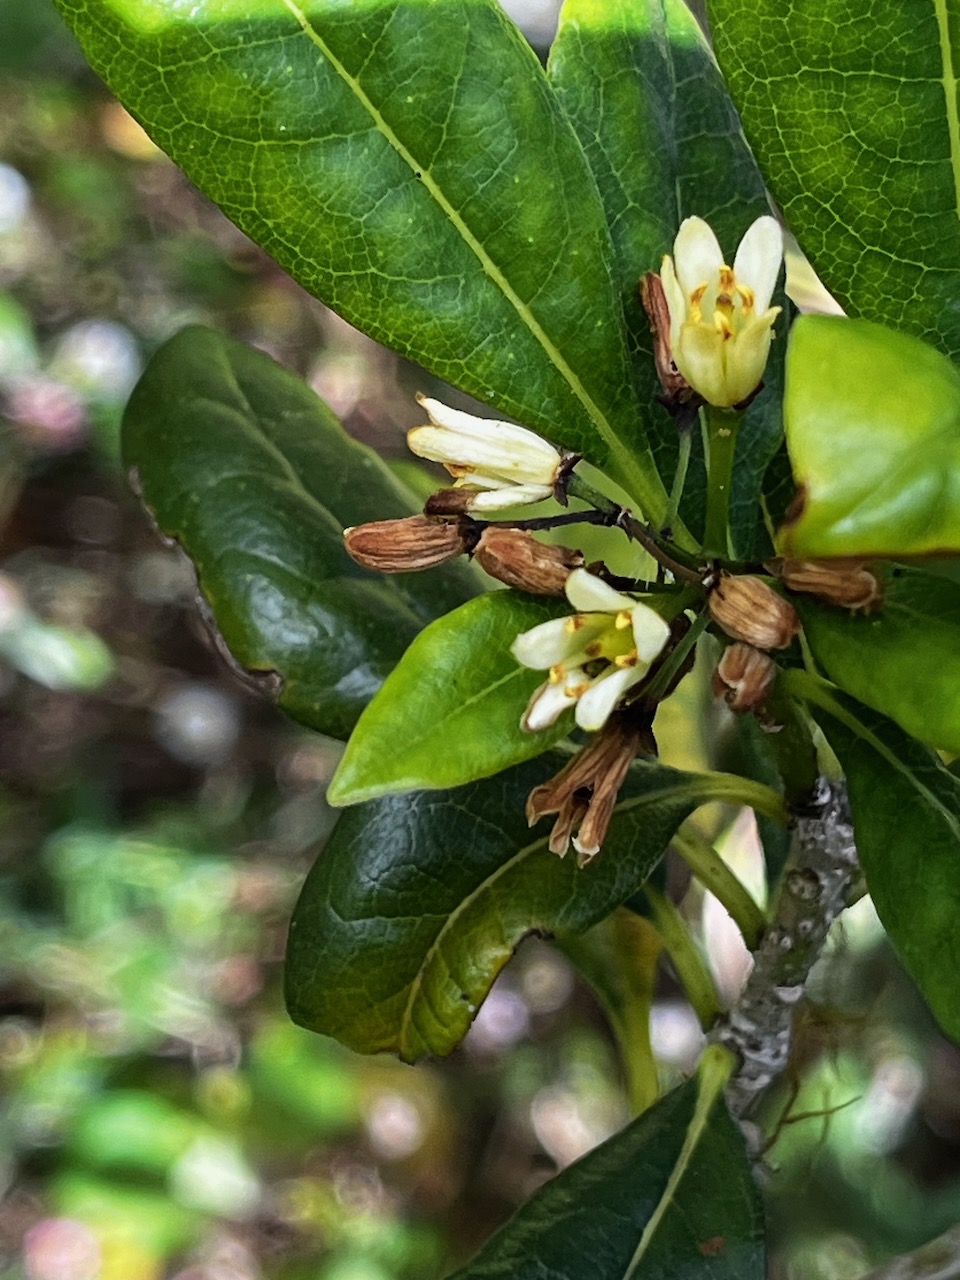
[[593, 657], [721, 321], [504, 464]]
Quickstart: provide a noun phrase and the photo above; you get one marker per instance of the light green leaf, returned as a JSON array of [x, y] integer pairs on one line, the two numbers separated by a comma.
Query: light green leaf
[[450, 711], [252, 474], [418, 901], [406, 161], [873, 428], [643, 92], [670, 1196], [906, 815], [852, 111], [901, 660]]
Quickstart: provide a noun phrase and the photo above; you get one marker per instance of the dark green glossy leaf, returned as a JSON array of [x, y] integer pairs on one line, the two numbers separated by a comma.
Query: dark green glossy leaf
[[901, 660], [450, 711], [852, 113], [418, 901], [906, 814], [406, 161], [642, 90], [671, 1197], [252, 474], [873, 428]]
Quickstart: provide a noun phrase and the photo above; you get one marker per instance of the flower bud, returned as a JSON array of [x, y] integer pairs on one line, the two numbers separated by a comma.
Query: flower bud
[[846, 582], [518, 559], [747, 609], [744, 677], [403, 546]]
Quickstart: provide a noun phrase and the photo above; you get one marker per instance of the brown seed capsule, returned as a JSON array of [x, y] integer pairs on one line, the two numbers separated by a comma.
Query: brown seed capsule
[[743, 677], [848, 582], [748, 609], [403, 546], [518, 559]]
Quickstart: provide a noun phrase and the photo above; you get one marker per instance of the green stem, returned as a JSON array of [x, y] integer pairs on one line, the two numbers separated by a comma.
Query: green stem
[[792, 746], [731, 788], [720, 430], [688, 963], [714, 874], [679, 479], [677, 658]]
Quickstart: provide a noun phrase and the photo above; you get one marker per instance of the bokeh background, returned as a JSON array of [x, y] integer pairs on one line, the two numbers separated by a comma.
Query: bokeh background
[[160, 1115]]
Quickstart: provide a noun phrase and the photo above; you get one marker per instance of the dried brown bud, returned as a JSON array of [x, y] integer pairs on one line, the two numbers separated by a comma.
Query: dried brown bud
[[848, 582], [403, 546], [743, 677], [748, 609], [518, 559], [677, 392], [584, 792], [449, 502]]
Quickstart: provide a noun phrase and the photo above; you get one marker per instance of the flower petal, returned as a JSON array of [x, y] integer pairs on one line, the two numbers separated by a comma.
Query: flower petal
[[499, 495], [700, 357], [590, 594], [650, 632], [677, 302], [758, 259], [595, 706], [549, 703], [547, 644], [697, 255]]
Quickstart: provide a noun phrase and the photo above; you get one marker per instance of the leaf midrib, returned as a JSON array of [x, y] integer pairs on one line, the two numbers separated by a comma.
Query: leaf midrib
[[949, 80], [632, 472]]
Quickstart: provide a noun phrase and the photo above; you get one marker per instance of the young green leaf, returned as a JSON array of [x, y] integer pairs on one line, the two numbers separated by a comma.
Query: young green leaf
[[872, 420], [901, 660], [418, 901], [252, 474], [450, 711], [852, 112], [906, 814], [671, 1195], [640, 86], [407, 163]]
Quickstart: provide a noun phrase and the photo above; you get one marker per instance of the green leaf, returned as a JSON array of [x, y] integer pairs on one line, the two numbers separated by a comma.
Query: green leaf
[[852, 113], [450, 711], [252, 474], [873, 428], [361, 145], [670, 1196], [901, 660], [641, 88], [906, 814], [418, 901]]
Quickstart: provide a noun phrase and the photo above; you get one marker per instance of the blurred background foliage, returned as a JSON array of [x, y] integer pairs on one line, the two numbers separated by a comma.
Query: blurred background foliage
[[160, 1115]]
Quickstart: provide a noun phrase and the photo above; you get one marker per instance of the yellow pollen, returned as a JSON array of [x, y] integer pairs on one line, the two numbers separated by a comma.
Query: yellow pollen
[[624, 620], [575, 623], [728, 281], [626, 659], [696, 300], [457, 471], [578, 690], [747, 298], [722, 325], [557, 673]]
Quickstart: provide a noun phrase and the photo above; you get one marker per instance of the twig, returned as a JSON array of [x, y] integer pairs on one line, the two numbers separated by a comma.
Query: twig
[[938, 1260], [759, 1027]]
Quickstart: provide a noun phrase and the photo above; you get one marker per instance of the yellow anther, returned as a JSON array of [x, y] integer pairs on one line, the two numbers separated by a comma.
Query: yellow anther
[[626, 659], [747, 298], [557, 673], [624, 619], [594, 650], [574, 623], [728, 281], [722, 325]]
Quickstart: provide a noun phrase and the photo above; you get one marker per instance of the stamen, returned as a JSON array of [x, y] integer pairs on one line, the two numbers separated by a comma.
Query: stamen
[[594, 650], [557, 673], [574, 623], [696, 300], [747, 298], [626, 659], [722, 325], [624, 619]]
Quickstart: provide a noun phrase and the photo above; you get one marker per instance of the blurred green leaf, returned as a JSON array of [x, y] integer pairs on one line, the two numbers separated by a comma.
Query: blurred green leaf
[[60, 658], [640, 86], [450, 711], [900, 660], [129, 1217], [872, 420], [126, 1129], [306, 1077], [852, 112], [671, 1196], [362, 146], [252, 474], [418, 901], [906, 814]]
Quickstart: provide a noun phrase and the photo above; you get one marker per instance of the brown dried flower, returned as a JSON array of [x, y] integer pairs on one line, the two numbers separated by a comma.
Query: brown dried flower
[[403, 546], [515, 557], [847, 581], [584, 792], [747, 609], [744, 677]]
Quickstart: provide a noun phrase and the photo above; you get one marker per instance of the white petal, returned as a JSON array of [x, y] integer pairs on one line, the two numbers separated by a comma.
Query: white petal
[[697, 255], [547, 705], [500, 495], [503, 459], [545, 645], [650, 632], [677, 302], [594, 707], [758, 259], [590, 594], [473, 427]]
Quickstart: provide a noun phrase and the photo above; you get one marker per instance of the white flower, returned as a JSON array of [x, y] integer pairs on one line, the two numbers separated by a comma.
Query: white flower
[[505, 464], [593, 657], [721, 321]]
